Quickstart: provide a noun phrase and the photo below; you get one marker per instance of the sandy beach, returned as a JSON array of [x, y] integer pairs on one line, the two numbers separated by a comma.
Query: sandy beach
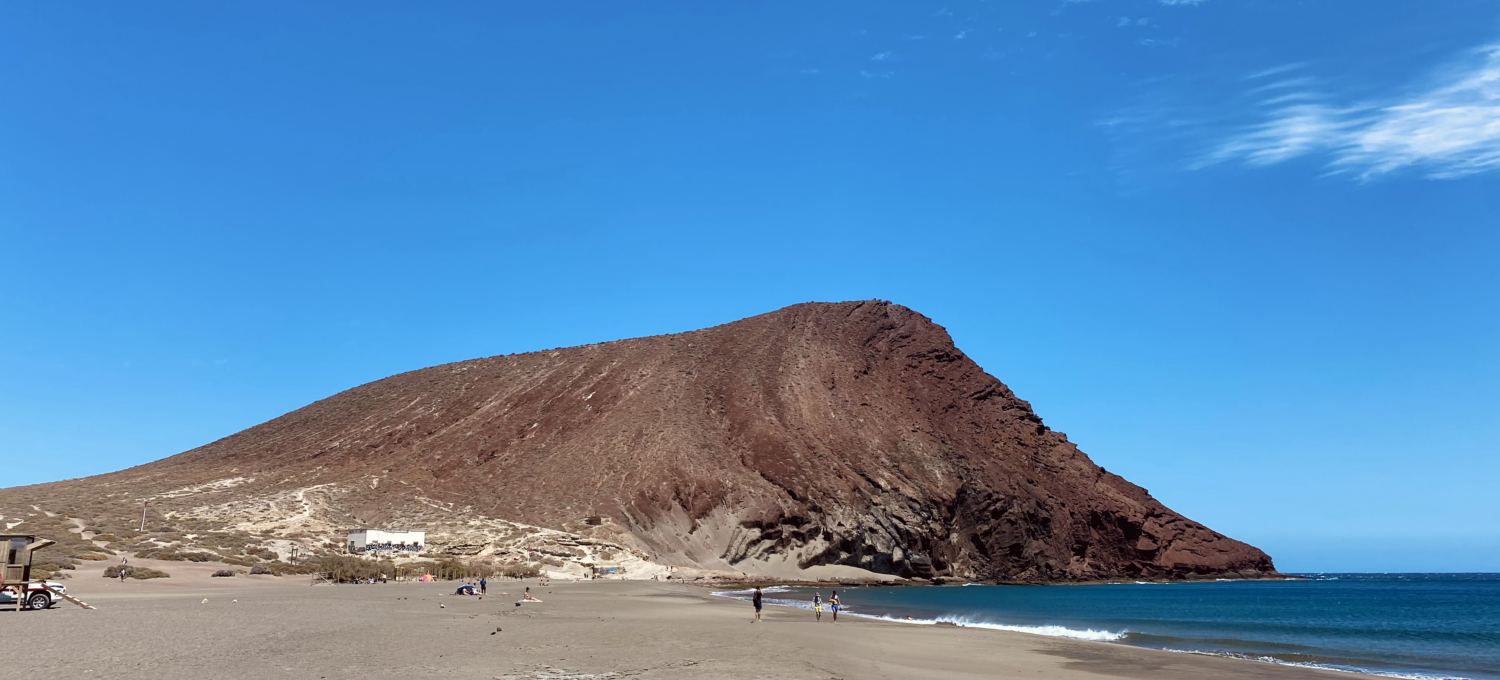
[[270, 627]]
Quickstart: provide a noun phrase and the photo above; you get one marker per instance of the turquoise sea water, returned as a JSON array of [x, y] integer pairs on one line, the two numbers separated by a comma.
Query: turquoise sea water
[[1403, 625]]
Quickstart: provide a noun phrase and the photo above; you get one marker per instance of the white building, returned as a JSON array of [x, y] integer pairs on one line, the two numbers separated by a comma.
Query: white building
[[381, 540]]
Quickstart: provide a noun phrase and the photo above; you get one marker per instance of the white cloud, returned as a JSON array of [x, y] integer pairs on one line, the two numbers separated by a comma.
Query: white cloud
[[1181, 3], [882, 56], [962, 34], [1450, 126], [811, 71], [1283, 84], [1275, 70]]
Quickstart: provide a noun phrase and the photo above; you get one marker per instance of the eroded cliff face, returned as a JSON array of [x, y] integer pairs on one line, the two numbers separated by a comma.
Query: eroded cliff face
[[820, 434]]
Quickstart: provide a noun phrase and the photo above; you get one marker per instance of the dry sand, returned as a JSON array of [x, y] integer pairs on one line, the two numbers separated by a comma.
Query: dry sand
[[284, 628]]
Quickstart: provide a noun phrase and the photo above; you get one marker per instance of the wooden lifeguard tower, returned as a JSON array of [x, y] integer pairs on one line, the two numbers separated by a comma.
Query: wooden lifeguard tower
[[15, 571]]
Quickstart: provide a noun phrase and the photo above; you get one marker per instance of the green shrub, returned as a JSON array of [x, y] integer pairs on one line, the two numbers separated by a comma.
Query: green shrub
[[522, 571], [136, 573], [343, 568]]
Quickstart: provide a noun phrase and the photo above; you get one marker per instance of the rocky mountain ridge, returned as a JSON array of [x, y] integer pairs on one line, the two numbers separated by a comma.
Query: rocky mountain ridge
[[832, 439]]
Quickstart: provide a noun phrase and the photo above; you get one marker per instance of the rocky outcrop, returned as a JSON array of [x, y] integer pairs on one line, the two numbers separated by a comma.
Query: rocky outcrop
[[848, 434]]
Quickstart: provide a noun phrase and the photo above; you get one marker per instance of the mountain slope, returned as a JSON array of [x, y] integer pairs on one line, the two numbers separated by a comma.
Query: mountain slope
[[850, 434]]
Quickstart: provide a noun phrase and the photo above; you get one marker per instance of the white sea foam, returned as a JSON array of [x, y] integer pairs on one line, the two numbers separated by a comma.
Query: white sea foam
[[741, 594], [1321, 666], [1049, 631], [965, 622]]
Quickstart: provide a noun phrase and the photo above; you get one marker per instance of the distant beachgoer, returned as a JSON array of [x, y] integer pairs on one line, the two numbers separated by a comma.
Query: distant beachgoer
[[755, 599], [833, 603], [483, 585], [818, 606]]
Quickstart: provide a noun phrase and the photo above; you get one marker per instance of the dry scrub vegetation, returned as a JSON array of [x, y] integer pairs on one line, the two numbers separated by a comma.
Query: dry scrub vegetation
[[136, 573], [258, 530]]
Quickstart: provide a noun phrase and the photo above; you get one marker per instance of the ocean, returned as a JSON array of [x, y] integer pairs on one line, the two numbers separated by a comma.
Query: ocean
[[1400, 625]]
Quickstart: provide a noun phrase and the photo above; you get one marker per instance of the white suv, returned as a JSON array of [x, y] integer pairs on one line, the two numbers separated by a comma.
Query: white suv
[[39, 594]]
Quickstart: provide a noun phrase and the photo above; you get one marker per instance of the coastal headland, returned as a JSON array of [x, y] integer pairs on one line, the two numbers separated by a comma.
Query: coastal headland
[[848, 440]]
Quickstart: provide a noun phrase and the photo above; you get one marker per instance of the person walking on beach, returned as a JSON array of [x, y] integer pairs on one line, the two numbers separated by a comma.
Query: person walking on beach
[[483, 585], [833, 603], [818, 606], [755, 600]]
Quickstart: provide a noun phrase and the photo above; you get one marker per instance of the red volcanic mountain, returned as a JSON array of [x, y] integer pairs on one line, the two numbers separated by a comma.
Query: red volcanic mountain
[[850, 434]]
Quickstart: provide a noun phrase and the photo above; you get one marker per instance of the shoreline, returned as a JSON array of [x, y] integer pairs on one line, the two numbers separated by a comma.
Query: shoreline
[[750, 581], [1089, 635], [271, 627]]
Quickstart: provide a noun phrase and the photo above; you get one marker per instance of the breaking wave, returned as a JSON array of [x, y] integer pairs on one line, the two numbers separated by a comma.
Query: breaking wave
[[965, 622]]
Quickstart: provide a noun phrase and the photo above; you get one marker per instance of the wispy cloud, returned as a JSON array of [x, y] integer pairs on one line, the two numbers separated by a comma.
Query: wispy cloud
[[962, 34], [1275, 70], [1449, 125], [882, 56], [1181, 3], [1285, 83], [811, 71]]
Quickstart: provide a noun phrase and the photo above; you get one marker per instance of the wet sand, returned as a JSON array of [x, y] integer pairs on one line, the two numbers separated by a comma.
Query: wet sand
[[285, 628]]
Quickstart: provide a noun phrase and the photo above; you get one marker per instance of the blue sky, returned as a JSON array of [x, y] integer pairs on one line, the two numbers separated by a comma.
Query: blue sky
[[1245, 253]]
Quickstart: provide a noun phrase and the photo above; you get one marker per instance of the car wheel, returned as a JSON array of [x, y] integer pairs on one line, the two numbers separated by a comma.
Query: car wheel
[[39, 601]]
